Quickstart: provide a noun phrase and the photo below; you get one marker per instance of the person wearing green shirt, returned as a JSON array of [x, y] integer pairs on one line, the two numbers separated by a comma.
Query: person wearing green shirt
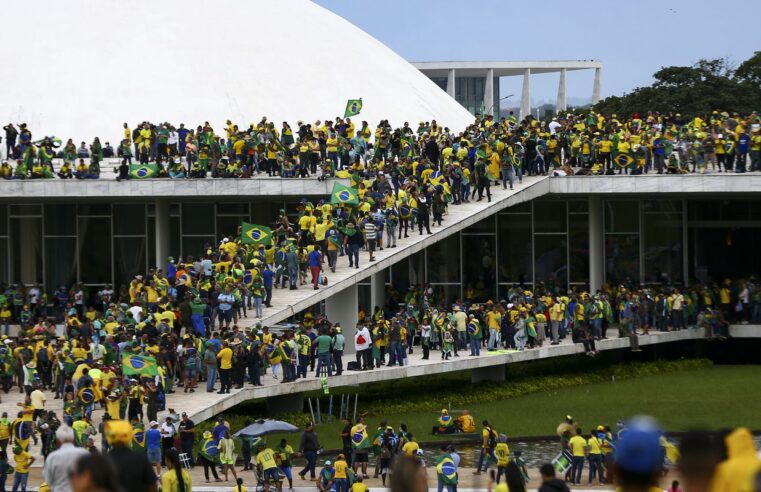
[[324, 348]]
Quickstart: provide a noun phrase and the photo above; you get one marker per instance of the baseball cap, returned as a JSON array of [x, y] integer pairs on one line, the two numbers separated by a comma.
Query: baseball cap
[[639, 448]]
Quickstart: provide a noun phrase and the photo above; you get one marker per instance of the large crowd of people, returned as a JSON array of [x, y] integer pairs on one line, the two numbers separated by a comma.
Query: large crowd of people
[[183, 320], [583, 143]]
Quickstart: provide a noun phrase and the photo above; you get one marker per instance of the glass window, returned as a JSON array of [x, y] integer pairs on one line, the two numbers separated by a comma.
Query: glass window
[[129, 259], [549, 216], [197, 218], [622, 258], [266, 213], [174, 238], [444, 260], [408, 273], [61, 220], [3, 220], [26, 250], [60, 262], [662, 206], [578, 206], [232, 208], [482, 226], [228, 225], [515, 260], [523, 207], [716, 253], [194, 245], [551, 261], [662, 236], [94, 209], [95, 250], [364, 299], [129, 220], [621, 216], [478, 267], [4, 261], [26, 209], [446, 294], [578, 244]]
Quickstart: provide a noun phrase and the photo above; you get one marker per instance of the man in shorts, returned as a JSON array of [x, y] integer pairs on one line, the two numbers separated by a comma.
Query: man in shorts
[[153, 446], [267, 467]]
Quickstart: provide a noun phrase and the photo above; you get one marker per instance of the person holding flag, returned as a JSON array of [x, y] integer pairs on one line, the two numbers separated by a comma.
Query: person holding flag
[[446, 471], [360, 443]]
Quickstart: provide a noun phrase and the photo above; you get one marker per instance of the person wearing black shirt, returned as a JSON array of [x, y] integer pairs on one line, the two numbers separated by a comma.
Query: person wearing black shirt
[[186, 428], [423, 212]]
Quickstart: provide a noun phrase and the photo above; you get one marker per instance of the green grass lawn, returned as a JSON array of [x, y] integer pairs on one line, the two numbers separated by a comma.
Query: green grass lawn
[[720, 396]]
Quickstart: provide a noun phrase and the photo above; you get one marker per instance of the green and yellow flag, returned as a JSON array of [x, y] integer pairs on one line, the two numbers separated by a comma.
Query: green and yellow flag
[[141, 365], [353, 107], [343, 195], [143, 171], [623, 160], [255, 234]]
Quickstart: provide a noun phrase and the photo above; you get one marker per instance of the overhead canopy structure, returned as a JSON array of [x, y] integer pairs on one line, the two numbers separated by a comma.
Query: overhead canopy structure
[[82, 68]]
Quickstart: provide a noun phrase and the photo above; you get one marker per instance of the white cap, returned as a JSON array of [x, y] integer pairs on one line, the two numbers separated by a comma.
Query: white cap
[[153, 423]]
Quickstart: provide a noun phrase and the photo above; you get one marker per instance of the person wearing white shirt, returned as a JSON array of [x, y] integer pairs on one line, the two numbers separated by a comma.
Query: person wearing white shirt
[[59, 463], [362, 341], [167, 431]]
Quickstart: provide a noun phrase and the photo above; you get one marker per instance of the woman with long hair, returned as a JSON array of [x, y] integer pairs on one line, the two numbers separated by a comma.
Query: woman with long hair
[[227, 455], [175, 478]]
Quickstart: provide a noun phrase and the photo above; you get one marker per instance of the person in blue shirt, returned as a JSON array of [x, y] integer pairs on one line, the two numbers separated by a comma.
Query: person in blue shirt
[[153, 445], [269, 276], [315, 265]]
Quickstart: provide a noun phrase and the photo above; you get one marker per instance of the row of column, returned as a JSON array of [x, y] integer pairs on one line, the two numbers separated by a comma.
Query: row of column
[[490, 103]]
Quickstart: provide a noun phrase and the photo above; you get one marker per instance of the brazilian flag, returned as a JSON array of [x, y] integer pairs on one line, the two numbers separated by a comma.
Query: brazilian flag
[[138, 438], [86, 395], [343, 195], [353, 107], [143, 171], [142, 365], [446, 470], [474, 329], [359, 438], [210, 451], [255, 234], [623, 160]]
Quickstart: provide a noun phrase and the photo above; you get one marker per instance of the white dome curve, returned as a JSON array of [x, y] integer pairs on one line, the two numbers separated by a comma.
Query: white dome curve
[[81, 68]]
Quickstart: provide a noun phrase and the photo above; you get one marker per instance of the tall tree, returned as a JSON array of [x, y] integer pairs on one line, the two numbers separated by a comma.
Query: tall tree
[[706, 86]]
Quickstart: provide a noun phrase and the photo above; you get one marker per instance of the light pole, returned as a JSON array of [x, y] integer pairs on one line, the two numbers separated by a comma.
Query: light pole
[[488, 111]]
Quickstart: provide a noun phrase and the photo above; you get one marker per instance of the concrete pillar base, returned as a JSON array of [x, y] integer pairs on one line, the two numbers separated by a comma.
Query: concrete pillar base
[[494, 373], [292, 403]]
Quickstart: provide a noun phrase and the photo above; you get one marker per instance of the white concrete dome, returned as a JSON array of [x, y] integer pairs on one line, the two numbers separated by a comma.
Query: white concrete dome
[[81, 68]]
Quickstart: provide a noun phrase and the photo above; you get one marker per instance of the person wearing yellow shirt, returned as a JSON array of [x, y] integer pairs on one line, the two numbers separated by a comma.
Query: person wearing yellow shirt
[[493, 320], [410, 447], [578, 446], [594, 444], [340, 474], [225, 357], [267, 467], [502, 452], [175, 474], [24, 461], [358, 486]]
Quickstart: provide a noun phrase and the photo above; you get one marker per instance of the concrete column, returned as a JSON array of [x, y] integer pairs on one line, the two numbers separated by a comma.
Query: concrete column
[[596, 245], [377, 290], [343, 307], [493, 373], [596, 87], [561, 104], [451, 80], [526, 94], [162, 232], [29, 238], [489, 92], [289, 403]]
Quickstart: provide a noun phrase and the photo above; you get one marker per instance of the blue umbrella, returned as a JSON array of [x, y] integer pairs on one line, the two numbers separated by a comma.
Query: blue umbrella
[[266, 426]]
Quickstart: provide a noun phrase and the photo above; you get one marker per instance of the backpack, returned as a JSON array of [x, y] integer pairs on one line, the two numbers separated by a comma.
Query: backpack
[[42, 355], [492, 438]]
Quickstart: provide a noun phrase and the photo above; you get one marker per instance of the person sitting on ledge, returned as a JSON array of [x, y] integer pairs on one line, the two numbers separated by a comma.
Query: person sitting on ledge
[[445, 424]]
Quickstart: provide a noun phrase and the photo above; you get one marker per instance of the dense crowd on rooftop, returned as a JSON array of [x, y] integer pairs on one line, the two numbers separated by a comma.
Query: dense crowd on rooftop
[[585, 143]]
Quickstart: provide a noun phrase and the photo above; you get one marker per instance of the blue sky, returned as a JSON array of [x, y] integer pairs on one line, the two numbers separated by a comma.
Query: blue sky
[[632, 39]]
